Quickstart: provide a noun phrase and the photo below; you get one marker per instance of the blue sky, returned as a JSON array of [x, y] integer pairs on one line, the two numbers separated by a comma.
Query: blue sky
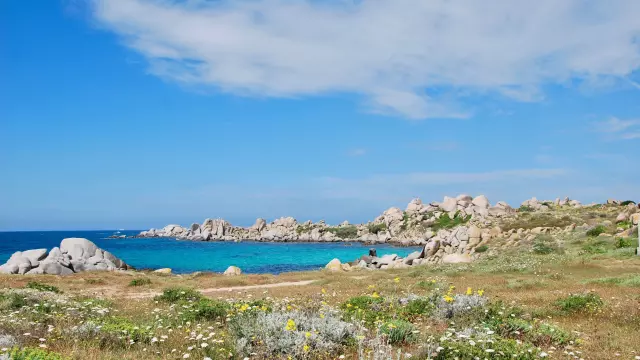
[[138, 113]]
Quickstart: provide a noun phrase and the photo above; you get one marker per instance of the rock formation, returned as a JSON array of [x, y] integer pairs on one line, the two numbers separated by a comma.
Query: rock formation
[[74, 255]]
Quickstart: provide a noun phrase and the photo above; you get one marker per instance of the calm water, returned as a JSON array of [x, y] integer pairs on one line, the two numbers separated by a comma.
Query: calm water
[[190, 256]]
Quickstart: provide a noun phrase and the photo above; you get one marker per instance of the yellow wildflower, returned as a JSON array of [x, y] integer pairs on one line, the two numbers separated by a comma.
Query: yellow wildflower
[[321, 316], [288, 307], [480, 292], [375, 295], [244, 307], [307, 334], [371, 287], [291, 325], [396, 280], [323, 291], [469, 291], [305, 348], [448, 298]]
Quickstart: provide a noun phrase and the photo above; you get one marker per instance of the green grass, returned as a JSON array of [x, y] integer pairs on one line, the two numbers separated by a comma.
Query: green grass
[[627, 281], [579, 303], [544, 245], [525, 208], [399, 332], [42, 287], [29, 353], [176, 294], [620, 243], [140, 282]]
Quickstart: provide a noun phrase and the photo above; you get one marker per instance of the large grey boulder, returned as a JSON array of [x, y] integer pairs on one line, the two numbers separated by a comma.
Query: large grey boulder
[[74, 255], [78, 248]]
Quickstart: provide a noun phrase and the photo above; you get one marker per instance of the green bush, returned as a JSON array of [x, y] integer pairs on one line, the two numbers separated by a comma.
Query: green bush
[[175, 294], [482, 248], [545, 244], [140, 282], [525, 208], [600, 229], [446, 222], [29, 353], [399, 331], [344, 232], [624, 224], [12, 301], [376, 228], [575, 303], [121, 327], [627, 202], [42, 287], [620, 243], [208, 309], [366, 308], [417, 307]]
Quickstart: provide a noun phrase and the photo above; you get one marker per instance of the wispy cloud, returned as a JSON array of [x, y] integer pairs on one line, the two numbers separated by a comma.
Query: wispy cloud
[[415, 59], [357, 152], [619, 129]]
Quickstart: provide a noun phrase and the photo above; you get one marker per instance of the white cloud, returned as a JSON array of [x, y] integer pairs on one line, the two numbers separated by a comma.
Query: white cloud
[[619, 129], [412, 58]]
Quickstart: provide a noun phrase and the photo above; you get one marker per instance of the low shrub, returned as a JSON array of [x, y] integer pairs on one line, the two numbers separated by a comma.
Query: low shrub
[[377, 228], [42, 287], [595, 231], [627, 202], [575, 303], [344, 232], [296, 334], [620, 243], [208, 309], [481, 346], [140, 282], [29, 353], [446, 222], [369, 309], [482, 248], [525, 208], [545, 244], [176, 294], [595, 246], [417, 307], [399, 331]]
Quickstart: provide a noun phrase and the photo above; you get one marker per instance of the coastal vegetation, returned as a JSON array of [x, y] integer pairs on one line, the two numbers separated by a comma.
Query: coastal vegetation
[[558, 282]]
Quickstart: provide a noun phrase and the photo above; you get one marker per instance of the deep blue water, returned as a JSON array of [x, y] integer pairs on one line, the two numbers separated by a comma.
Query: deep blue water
[[189, 256]]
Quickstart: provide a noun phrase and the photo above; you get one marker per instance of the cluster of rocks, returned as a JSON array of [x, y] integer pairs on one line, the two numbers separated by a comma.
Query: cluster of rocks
[[408, 227], [74, 255], [542, 205]]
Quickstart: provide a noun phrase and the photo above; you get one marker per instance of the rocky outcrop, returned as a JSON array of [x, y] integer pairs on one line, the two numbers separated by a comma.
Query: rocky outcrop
[[417, 224], [74, 255]]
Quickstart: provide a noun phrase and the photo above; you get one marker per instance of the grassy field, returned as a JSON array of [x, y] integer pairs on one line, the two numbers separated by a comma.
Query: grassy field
[[579, 300]]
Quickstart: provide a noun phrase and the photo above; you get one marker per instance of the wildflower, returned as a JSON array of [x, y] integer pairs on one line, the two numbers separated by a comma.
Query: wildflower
[[480, 292], [396, 280], [43, 346], [375, 295], [307, 334], [323, 291], [469, 291], [305, 348], [204, 345], [448, 298], [186, 356], [291, 325]]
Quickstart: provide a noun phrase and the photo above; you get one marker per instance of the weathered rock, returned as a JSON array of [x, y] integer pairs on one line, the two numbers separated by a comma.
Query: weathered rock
[[621, 217], [456, 258], [334, 265], [54, 268], [78, 248], [481, 202], [635, 218], [233, 271], [449, 204], [164, 271]]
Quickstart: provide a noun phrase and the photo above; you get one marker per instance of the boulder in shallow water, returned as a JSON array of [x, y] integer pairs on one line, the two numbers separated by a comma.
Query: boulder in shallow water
[[232, 271]]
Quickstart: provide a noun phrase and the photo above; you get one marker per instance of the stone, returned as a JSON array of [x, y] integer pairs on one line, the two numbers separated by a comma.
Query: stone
[[373, 252], [9, 269], [54, 268], [474, 232], [346, 267], [35, 255], [362, 264], [456, 258], [635, 218], [78, 248], [260, 224], [334, 265], [232, 271], [164, 271], [414, 206], [621, 217], [481, 201], [449, 204]]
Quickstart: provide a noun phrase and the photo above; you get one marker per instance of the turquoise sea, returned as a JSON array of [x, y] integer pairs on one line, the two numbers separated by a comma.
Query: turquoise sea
[[189, 256]]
